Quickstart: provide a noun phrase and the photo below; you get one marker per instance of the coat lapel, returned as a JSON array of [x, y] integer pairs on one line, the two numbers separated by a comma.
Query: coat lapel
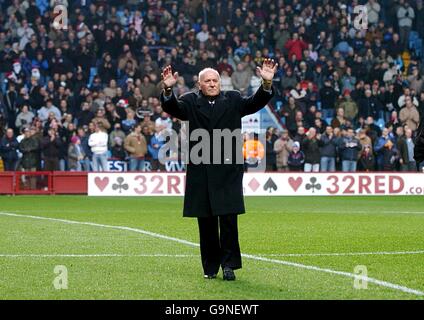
[[213, 113], [203, 106], [218, 110]]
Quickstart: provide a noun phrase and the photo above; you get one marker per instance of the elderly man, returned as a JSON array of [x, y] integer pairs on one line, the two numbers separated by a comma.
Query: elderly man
[[214, 192]]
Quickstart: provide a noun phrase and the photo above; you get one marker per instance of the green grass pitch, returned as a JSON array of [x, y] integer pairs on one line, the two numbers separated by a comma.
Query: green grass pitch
[[299, 247]]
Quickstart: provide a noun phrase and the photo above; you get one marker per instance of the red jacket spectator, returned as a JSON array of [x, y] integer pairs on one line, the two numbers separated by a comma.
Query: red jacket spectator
[[296, 46]]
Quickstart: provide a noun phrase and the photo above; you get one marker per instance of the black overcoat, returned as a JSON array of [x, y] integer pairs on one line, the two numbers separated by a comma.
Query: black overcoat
[[214, 189]]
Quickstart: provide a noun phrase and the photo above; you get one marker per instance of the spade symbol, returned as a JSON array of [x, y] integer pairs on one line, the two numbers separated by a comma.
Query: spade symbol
[[270, 185]]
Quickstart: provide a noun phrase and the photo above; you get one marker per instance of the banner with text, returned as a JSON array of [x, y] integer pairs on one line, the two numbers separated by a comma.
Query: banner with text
[[263, 184]]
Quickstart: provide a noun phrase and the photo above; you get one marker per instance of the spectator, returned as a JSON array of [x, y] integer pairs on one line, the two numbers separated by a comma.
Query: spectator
[[295, 46], [118, 151], [405, 14], [340, 120], [383, 148], [30, 148], [416, 82], [156, 142], [364, 139], [44, 112], [328, 144], [226, 82], [50, 146], [311, 151], [98, 142], [296, 158], [366, 160], [76, 154], [147, 88], [409, 115], [24, 118], [349, 148], [328, 99], [241, 78], [136, 146], [117, 132], [83, 135], [129, 123], [282, 147], [405, 146], [271, 158], [349, 106], [9, 150], [289, 113], [373, 10], [369, 106]]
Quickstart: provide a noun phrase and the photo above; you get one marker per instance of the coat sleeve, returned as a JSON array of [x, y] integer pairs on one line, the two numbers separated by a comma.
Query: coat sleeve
[[176, 107], [255, 102]]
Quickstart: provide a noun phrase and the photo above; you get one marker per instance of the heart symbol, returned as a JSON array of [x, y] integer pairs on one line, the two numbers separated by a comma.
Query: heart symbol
[[295, 183], [101, 183]]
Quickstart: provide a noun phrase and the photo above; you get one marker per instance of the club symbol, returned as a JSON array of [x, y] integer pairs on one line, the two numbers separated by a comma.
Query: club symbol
[[313, 185], [120, 185]]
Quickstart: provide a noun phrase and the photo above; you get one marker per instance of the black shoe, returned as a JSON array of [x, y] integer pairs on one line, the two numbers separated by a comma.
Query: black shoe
[[228, 274], [210, 276]]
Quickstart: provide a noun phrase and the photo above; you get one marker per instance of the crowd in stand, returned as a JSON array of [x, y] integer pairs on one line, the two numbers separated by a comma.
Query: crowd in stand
[[348, 98]]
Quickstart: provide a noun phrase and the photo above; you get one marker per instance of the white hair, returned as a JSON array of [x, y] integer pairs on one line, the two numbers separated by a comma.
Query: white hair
[[201, 73]]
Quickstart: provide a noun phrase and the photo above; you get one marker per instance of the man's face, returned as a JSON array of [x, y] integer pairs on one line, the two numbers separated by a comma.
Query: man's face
[[9, 133], [385, 132], [209, 84]]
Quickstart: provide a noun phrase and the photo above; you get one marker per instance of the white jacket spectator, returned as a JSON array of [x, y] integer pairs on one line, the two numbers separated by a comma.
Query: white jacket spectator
[[24, 33], [203, 35], [406, 15], [24, 117], [373, 10], [98, 142], [44, 112], [226, 82]]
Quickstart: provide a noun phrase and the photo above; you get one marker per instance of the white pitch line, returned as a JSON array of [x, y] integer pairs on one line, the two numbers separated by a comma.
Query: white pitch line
[[107, 255], [160, 255], [249, 256], [341, 254]]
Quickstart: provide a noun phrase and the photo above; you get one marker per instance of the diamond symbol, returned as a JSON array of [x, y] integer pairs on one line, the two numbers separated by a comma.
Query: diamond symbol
[[254, 184]]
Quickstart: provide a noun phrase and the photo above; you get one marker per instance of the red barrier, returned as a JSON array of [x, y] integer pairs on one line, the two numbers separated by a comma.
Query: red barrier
[[69, 182], [43, 182], [7, 183]]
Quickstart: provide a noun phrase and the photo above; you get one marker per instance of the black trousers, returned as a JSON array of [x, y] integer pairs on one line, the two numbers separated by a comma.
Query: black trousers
[[219, 245]]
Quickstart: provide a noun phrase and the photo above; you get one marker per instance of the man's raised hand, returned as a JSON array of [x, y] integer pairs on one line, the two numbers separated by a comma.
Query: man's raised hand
[[169, 79], [269, 67]]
